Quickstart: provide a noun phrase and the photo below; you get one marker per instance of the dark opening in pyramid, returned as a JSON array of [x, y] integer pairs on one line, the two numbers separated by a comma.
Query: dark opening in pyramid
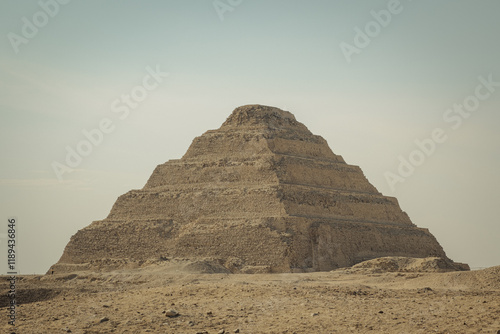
[[259, 192]]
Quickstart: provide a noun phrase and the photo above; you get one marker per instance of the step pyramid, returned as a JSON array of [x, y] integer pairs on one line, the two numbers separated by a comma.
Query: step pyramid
[[260, 192]]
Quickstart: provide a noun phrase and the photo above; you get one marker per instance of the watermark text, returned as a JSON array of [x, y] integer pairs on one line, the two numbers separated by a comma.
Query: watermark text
[[95, 136], [454, 116], [31, 26]]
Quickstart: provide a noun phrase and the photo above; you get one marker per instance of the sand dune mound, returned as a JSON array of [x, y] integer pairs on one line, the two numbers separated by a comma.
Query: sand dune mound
[[485, 279], [408, 264]]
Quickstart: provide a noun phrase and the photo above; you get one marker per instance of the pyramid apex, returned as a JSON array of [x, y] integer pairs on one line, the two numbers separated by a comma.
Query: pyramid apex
[[256, 114]]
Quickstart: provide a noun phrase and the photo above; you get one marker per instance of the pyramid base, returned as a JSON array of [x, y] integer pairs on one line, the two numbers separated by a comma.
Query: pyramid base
[[276, 245]]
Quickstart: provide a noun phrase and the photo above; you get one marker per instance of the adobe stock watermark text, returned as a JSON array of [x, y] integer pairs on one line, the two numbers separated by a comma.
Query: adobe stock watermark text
[[363, 37], [94, 137], [454, 118], [224, 6], [31, 26]]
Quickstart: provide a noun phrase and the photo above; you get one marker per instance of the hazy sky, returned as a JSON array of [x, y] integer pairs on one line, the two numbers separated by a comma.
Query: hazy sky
[[371, 77]]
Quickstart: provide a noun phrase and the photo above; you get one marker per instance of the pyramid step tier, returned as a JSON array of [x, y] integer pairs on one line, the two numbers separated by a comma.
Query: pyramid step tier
[[283, 244], [187, 203], [271, 168]]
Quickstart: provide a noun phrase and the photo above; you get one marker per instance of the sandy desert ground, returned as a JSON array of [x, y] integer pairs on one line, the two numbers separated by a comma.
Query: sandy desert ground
[[344, 301]]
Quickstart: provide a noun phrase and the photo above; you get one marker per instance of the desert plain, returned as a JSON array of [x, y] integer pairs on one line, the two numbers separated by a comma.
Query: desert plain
[[181, 296]]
